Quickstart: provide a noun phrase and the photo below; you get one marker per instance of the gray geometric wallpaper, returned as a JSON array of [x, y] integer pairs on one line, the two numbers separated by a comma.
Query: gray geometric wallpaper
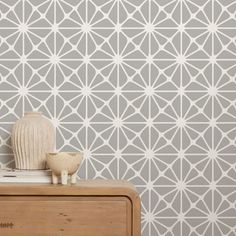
[[146, 88]]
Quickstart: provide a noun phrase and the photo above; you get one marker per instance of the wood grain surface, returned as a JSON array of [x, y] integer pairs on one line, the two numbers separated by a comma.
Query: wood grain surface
[[90, 208]]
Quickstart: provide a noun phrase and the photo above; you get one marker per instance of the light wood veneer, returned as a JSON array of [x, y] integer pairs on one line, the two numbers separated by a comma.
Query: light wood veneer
[[90, 208]]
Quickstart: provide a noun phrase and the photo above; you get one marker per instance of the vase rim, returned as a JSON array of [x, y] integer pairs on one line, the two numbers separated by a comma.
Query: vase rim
[[32, 113]]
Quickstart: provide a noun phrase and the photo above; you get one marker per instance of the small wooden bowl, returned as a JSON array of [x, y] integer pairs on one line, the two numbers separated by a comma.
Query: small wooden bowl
[[64, 164]]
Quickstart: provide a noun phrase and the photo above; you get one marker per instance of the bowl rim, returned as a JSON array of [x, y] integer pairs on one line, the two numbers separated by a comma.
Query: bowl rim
[[55, 153]]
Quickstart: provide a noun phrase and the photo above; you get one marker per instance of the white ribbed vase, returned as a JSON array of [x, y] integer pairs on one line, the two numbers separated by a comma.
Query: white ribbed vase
[[32, 137]]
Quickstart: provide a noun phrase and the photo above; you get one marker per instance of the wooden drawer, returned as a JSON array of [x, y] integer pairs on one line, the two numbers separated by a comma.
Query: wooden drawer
[[100, 209], [66, 215]]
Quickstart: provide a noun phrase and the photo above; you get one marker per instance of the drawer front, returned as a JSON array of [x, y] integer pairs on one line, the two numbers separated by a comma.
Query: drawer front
[[65, 216]]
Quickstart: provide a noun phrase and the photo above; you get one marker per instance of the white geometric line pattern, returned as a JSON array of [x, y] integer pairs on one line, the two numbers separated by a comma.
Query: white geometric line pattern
[[146, 88]]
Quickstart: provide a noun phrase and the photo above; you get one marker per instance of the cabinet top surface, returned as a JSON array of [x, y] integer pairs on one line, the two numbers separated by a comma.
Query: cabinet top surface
[[83, 187]]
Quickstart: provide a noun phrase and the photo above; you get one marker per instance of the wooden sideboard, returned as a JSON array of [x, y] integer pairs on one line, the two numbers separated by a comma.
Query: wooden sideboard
[[89, 208]]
